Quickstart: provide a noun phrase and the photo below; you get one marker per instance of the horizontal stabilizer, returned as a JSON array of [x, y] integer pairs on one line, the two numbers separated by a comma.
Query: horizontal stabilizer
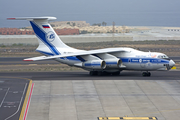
[[33, 18], [34, 58]]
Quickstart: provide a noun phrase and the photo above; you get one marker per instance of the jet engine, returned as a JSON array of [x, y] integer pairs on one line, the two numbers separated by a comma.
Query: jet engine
[[111, 60], [113, 63], [95, 64]]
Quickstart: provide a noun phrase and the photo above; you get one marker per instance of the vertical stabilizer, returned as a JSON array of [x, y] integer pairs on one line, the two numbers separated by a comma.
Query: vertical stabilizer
[[49, 41]]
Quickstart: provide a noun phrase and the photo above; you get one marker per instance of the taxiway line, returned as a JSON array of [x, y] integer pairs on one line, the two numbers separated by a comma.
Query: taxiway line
[[4, 97], [19, 104]]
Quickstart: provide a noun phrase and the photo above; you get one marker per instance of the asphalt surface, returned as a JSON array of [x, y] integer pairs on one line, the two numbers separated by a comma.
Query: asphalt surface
[[125, 75], [19, 60], [13, 89], [12, 95]]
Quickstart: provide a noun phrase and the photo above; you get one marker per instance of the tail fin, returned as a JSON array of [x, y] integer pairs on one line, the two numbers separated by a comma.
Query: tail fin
[[49, 42]]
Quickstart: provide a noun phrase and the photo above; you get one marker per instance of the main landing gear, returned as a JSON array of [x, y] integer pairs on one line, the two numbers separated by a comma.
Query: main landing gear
[[98, 73], [93, 73], [103, 73], [146, 74]]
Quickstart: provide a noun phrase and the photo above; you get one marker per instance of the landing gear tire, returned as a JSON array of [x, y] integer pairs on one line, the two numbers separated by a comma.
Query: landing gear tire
[[93, 73], [146, 74], [116, 73], [100, 73]]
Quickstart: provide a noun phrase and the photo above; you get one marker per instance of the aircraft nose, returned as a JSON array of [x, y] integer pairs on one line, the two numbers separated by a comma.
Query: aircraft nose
[[171, 63]]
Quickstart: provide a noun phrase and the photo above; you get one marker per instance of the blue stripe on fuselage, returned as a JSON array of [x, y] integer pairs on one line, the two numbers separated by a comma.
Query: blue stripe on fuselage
[[71, 58], [143, 60]]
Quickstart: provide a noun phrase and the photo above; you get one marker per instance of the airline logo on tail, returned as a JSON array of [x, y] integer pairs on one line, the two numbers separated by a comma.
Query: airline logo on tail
[[50, 36]]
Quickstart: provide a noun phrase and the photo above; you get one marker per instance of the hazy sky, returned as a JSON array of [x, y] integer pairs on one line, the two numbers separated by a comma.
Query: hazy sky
[[123, 12]]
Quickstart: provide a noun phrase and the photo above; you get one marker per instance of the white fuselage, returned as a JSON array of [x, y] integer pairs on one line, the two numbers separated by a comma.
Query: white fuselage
[[132, 60]]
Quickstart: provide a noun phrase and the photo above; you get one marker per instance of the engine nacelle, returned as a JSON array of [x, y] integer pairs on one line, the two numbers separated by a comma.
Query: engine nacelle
[[113, 63], [95, 64]]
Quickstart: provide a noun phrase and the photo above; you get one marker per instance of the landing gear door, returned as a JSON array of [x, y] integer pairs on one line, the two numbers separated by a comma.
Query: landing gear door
[[145, 63], [142, 64]]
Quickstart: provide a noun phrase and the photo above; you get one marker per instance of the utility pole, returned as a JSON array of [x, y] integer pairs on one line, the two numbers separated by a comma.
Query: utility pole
[[124, 29], [113, 30]]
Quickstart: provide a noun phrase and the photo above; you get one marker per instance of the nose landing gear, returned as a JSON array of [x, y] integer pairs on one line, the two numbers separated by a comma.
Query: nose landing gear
[[146, 74]]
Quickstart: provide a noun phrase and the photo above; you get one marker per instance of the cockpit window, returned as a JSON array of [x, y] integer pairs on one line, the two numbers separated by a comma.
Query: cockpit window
[[163, 56]]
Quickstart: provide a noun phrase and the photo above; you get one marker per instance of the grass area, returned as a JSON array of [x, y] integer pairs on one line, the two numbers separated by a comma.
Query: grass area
[[109, 43], [171, 48]]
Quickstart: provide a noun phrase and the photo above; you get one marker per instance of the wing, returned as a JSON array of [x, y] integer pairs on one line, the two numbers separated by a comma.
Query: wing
[[82, 53]]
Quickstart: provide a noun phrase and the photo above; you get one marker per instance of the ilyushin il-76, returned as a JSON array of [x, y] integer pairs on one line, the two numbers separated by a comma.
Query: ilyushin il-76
[[97, 62]]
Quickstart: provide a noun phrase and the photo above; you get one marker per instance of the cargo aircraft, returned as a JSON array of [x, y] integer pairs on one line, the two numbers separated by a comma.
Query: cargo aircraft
[[97, 62]]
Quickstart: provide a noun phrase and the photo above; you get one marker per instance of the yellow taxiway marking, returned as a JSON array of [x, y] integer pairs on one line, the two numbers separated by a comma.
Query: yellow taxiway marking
[[174, 68], [25, 100], [127, 118]]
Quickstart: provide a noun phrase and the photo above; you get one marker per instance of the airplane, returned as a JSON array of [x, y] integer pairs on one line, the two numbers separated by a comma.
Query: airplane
[[97, 62]]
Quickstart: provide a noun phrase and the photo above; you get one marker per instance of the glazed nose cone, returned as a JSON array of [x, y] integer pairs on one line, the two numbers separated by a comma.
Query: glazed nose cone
[[171, 63]]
